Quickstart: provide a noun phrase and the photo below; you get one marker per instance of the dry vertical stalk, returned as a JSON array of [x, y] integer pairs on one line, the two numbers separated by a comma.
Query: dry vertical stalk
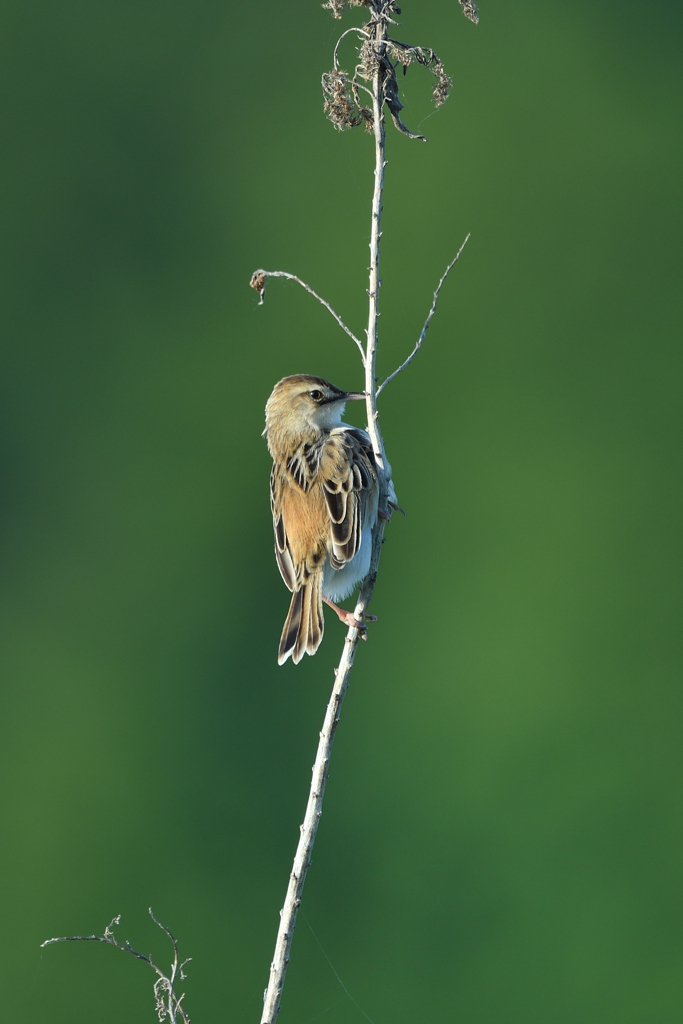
[[343, 106]]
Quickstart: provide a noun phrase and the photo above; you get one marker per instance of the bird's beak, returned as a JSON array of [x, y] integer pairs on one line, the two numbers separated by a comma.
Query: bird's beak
[[354, 396]]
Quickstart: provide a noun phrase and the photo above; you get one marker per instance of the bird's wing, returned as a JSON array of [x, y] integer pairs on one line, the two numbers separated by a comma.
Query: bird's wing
[[347, 472], [282, 551]]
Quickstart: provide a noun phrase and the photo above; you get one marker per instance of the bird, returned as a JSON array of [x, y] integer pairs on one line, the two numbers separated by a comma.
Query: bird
[[324, 497]]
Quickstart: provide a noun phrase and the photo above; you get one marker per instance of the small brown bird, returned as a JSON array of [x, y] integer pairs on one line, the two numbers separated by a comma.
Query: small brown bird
[[324, 492]]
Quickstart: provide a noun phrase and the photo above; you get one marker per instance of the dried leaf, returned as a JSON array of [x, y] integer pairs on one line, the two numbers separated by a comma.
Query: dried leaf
[[394, 104]]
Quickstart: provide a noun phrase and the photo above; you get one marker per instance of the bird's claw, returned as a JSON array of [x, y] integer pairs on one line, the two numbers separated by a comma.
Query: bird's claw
[[349, 619], [361, 627], [391, 508]]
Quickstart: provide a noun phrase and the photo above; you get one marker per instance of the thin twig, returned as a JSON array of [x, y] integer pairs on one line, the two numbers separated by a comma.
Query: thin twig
[[355, 28], [168, 1003], [258, 282], [356, 85], [418, 343]]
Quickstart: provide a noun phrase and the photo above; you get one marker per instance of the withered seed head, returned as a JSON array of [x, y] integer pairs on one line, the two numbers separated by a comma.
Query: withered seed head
[[368, 60], [444, 84], [337, 6], [469, 9], [258, 283], [340, 104]]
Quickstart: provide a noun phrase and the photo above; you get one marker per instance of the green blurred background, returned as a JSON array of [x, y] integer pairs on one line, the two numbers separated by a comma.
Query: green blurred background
[[502, 833]]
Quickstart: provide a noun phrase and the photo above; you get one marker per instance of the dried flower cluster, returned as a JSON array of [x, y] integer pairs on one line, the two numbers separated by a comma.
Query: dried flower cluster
[[337, 6], [405, 55], [368, 60], [341, 90], [470, 10], [258, 283], [342, 103]]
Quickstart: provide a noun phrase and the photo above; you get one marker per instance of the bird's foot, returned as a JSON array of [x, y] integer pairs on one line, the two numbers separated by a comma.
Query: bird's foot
[[348, 618]]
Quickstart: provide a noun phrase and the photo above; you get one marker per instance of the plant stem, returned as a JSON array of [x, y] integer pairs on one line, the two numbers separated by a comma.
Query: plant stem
[[302, 859], [380, 28]]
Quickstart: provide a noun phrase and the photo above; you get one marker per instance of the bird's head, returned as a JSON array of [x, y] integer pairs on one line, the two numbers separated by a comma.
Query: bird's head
[[303, 404]]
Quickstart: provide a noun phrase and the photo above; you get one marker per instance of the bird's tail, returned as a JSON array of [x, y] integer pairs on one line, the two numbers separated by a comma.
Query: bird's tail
[[303, 629]]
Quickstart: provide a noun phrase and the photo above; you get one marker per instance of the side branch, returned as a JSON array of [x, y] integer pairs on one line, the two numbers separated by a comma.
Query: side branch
[[359, 31], [418, 343], [258, 283]]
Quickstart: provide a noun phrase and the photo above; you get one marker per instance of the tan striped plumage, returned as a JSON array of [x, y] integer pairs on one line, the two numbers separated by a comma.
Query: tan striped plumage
[[324, 495]]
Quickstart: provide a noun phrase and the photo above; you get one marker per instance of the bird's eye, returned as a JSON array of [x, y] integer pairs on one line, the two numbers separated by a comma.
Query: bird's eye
[[315, 395]]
